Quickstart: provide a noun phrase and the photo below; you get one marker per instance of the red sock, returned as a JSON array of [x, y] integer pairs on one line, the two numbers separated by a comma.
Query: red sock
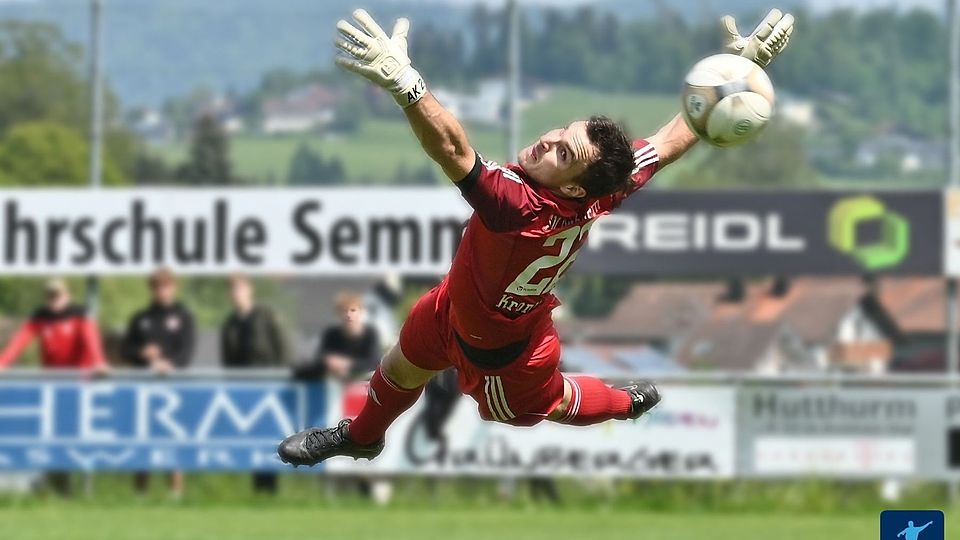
[[594, 402], [385, 402]]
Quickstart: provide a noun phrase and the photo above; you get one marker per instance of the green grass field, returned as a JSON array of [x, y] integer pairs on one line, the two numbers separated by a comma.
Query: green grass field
[[252, 523], [372, 154], [222, 507]]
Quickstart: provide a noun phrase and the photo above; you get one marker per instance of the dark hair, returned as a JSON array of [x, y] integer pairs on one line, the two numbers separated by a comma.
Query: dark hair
[[610, 172]]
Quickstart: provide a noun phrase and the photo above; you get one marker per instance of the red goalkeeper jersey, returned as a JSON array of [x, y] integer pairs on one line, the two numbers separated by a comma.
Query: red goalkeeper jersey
[[519, 241]]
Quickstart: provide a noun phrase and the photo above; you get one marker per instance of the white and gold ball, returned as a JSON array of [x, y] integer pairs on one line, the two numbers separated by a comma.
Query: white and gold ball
[[727, 99]]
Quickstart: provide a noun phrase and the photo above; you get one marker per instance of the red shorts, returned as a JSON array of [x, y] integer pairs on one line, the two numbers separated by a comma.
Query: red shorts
[[522, 393]]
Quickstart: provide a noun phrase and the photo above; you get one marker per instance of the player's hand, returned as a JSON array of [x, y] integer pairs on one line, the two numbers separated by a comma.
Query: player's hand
[[162, 366], [382, 59], [766, 41], [100, 371], [338, 365]]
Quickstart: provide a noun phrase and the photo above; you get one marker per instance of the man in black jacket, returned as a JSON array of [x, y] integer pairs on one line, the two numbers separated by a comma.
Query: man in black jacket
[[347, 350], [252, 337], [161, 337]]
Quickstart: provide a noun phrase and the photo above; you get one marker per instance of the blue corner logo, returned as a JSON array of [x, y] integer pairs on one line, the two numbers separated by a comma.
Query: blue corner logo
[[911, 525]]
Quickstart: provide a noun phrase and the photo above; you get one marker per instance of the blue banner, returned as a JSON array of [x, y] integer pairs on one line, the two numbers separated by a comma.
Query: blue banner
[[185, 425]]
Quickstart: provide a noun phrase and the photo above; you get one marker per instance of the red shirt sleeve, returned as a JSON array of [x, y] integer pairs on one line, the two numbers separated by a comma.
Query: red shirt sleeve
[[499, 196], [20, 340], [646, 163], [92, 349]]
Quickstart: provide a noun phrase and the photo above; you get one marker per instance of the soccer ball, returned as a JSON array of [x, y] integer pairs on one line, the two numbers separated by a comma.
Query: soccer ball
[[727, 99]]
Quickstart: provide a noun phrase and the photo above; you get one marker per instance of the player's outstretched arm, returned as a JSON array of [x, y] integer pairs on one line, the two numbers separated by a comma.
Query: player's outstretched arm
[[442, 137], [368, 51], [672, 140]]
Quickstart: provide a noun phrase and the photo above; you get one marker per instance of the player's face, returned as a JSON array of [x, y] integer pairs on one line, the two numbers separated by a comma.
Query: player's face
[[57, 300], [351, 314], [559, 157], [241, 293], [164, 293]]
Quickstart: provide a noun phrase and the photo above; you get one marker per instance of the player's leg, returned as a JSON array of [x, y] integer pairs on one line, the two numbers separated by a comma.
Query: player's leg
[[531, 388], [589, 400], [394, 387]]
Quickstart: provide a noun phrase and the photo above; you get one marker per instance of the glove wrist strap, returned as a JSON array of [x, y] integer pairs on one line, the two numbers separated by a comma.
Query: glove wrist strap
[[409, 88]]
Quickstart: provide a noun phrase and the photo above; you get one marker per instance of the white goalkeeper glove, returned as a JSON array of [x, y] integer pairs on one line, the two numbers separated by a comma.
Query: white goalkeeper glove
[[382, 59], [768, 39]]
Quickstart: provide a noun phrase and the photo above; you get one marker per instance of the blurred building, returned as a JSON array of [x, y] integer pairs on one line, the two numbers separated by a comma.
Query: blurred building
[[222, 107], [803, 325], [300, 111], [485, 105], [907, 154], [798, 111], [919, 307], [152, 125]]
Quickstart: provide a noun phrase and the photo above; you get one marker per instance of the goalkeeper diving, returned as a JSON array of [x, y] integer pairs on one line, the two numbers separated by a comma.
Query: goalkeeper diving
[[490, 317]]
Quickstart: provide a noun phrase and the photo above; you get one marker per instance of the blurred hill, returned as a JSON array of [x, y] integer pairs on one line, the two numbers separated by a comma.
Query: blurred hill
[[158, 49]]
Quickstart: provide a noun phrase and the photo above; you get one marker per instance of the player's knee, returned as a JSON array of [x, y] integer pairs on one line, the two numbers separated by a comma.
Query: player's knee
[[401, 372], [561, 409]]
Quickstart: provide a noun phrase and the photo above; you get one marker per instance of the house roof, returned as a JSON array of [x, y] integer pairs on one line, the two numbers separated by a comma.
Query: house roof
[[710, 330], [728, 343], [303, 101], [917, 304], [650, 311], [814, 307]]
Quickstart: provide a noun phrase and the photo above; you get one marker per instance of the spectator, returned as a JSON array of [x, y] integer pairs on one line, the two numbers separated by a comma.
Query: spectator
[[251, 337], [69, 339], [349, 349], [161, 338]]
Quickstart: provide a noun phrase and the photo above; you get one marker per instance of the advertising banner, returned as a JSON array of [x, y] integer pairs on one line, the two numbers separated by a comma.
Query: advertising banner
[[203, 231], [152, 425], [689, 435], [696, 432], [844, 432], [351, 231], [951, 232], [771, 232]]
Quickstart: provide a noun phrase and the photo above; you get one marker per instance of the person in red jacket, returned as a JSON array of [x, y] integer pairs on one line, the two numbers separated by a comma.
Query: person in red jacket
[[69, 338]]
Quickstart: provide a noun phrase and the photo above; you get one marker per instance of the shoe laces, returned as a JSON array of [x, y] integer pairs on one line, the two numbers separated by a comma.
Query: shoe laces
[[321, 439]]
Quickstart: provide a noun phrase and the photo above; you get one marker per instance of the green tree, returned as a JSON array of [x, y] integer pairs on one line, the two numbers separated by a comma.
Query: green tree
[[309, 168], [209, 162], [778, 158], [152, 170], [39, 76], [41, 80], [305, 166], [49, 154], [425, 175]]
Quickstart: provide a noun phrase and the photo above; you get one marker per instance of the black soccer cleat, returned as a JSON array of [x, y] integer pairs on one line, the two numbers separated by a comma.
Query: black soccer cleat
[[311, 446], [643, 396]]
